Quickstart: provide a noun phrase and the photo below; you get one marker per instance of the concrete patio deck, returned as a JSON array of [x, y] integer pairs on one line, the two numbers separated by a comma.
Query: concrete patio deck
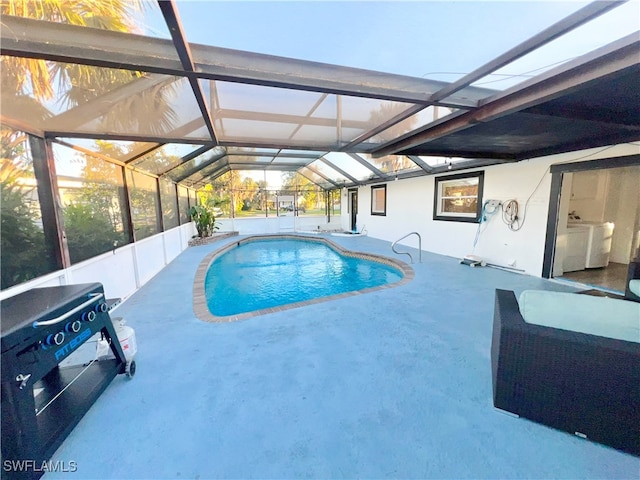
[[391, 384]]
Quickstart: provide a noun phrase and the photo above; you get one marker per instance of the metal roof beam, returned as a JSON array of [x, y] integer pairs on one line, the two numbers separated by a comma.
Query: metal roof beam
[[235, 65], [421, 129], [583, 144], [606, 61], [576, 19], [308, 115], [24, 37], [364, 163], [269, 166], [58, 42], [310, 179], [283, 154], [171, 16], [300, 120], [628, 120], [321, 175], [20, 126], [198, 152], [125, 137], [280, 146], [339, 170], [101, 105], [500, 157], [143, 152], [142, 149], [186, 158], [383, 126], [89, 152], [224, 168], [474, 163], [105, 158], [175, 136], [205, 164], [421, 163]]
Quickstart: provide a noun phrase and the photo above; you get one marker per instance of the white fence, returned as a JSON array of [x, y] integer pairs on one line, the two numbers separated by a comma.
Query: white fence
[[122, 271], [127, 268]]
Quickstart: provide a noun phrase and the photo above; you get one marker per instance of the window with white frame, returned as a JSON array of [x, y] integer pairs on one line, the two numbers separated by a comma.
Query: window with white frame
[[458, 197], [379, 200]]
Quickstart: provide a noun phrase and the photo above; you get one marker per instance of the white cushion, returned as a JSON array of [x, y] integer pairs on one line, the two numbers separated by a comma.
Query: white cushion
[[634, 286], [602, 316]]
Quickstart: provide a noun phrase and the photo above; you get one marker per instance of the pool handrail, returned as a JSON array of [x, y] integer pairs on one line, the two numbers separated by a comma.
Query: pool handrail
[[393, 246]]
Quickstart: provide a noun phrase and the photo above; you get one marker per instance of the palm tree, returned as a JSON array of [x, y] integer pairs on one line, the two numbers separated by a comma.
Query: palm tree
[[28, 84], [35, 90], [37, 76]]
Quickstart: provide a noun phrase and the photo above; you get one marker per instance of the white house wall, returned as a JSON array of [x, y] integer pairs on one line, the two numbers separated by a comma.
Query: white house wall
[[410, 208], [622, 209], [589, 203]]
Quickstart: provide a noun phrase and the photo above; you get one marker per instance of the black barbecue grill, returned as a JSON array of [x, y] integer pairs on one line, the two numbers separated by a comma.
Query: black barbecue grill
[[42, 400]]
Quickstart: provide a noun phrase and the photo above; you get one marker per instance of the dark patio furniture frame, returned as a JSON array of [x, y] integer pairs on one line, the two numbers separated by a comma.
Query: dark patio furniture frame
[[583, 384], [633, 274]]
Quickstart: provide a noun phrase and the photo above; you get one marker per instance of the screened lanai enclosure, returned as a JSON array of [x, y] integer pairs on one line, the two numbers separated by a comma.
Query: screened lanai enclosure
[[111, 131]]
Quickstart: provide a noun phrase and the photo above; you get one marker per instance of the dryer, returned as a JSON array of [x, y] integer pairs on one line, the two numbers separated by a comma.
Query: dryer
[[577, 241], [599, 244]]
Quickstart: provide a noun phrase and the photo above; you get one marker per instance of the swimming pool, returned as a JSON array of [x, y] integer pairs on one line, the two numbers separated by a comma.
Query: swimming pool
[[260, 274]]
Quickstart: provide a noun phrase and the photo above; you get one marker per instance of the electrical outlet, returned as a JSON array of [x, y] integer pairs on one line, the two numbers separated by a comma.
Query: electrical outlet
[[492, 203]]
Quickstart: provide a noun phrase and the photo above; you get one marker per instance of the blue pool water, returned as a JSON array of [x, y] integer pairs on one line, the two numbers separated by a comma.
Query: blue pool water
[[269, 273]]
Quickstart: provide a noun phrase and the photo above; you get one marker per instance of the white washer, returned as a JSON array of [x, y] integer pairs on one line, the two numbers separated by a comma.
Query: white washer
[[599, 237], [599, 245], [577, 241]]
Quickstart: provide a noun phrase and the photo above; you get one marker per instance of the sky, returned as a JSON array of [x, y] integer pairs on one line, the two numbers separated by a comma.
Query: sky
[[418, 38]]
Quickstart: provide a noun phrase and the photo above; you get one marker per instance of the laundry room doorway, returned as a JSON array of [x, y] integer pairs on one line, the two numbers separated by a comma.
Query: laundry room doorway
[[598, 226]]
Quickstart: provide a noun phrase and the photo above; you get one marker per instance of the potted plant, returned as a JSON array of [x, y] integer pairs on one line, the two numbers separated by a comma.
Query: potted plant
[[204, 219]]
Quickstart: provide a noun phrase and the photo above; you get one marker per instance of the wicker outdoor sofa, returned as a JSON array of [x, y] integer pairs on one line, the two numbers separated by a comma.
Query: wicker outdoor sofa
[[632, 292], [583, 383]]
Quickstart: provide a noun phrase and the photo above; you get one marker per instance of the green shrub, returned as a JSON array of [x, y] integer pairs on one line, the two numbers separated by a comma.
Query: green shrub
[[205, 220], [23, 252], [88, 233]]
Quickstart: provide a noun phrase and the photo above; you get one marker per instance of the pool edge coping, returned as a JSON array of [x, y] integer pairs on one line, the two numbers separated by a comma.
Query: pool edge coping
[[201, 309]]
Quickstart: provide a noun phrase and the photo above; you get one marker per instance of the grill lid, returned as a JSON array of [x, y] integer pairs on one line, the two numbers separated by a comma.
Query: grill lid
[[38, 304]]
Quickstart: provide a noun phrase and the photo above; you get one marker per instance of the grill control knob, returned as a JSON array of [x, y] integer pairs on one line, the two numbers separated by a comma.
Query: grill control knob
[[73, 327], [101, 307], [89, 316], [55, 338]]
